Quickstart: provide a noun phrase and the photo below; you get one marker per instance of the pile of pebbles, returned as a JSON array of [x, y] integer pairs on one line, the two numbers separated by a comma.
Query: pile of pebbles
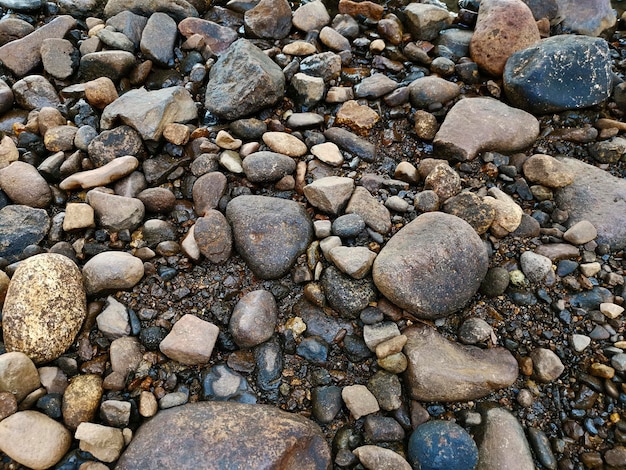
[[329, 234]]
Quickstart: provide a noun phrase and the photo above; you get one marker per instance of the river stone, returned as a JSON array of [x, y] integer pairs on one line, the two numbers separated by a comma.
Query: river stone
[[33, 439], [106, 174], [432, 266], [81, 399], [18, 375], [44, 308], [441, 370], [269, 233], [440, 444], [173, 104], [25, 185], [535, 81], [21, 226], [112, 270], [588, 18], [429, 90], [346, 295], [329, 194], [378, 458], [267, 167], [502, 28], [268, 19], [229, 435], [479, 124], [113, 64], [598, 197], [177, 9], [253, 319], [23, 55], [213, 236], [547, 171], [118, 142], [228, 96], [215, 36], [425, 21], [501, 442], [115, 212]]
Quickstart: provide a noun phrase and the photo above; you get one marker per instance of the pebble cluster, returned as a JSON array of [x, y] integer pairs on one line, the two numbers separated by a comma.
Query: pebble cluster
[[273, 234]]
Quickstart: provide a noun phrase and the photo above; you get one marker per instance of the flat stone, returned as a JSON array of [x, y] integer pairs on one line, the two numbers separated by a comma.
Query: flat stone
[[580, 233], [118, 142], [352, 143], [103, 176], [268, 167], [190, 341], [178, 9], [116, 212], [375, 457], [475, 125], [440, 370], [375, 214], [558, 251], [212, 431], [269, 19], [173, 104], [359, 118], [282, 231], [33, 439], [329, 194], [429, 90], [103, 442], [45, 292], [354, 261], [23, 55], [113, 64], [598, 197], [432, 266], [217, 37], [158, 39], [112, 270], [502, 28]]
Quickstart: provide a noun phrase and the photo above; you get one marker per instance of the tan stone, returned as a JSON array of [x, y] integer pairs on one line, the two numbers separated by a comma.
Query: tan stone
[[81, 400], [8, 152], [284, 143], [177, 134], [102, 176], [103, 442], [359, 118], [547, 171], [78, 215], [100, 92], [190, 341]]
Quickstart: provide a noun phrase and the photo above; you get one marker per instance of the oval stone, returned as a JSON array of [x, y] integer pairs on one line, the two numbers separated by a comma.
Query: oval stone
[[433, 266], [44, 307], [112, 270], [442, 444]]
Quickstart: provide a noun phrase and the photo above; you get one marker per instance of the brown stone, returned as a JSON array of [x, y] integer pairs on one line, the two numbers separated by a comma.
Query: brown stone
[[368, 9], [503, 27], [100, 92], [81, 400], [547, 171], [229, 435], [214, 236], [359, 118]]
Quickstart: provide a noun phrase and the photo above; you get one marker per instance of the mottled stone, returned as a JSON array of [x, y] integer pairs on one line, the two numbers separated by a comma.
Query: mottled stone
[[21, 226], [547, 171], [442, 444], [81, 400], [213, 236], [213, 432], [254, 318]]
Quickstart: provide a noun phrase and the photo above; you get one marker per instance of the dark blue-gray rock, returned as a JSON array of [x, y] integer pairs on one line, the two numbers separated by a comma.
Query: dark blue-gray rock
[[541, 445], [546, 77], [326, 403], [230, 97], [158, 39], [148, 112], [267, 167], [352, 143], [221, 383], [269, 359], [501, 441], [588, 18], [319, 322], [177, 9], [118, 142], [596, 196], [269, 233], [439, 445], [591, 299], [129, 24], [433, 266], [346, 295], [111, 64], [228, 435], [21, 226], [442, 370], [314, 349]]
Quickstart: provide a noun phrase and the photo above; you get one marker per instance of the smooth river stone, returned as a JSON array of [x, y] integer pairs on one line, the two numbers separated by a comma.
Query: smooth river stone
[[228, 435], [44, 308], [106, 174], [441, 370], [475, 125], [432, 266], [270, 233], [112, 270]]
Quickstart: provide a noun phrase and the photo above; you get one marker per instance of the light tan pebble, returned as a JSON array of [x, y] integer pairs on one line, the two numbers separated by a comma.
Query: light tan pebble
[[391, 346], [231, 160], [8, 152], [284, 143], [248, 148], [177, 134], [189, 245], [590, 269], [355, 261], [127, 433], [339, 94], [190, 341], [53, 379], [286, 183], [378, 458], [360, 118], [226, 141], [611, 310], [580, 233], [394, 363], [299, 48], [508, 213], [103, 442], [94, 31], [296, 324], [601, 370], [377, 46], [148, 405], [4, 285], [620, 344], [92, 21], [406, 171], [359, 400], [329, 153], [18, 374], [93, 466], [81, 399], [78, 215], [102, 176], [100, 92]]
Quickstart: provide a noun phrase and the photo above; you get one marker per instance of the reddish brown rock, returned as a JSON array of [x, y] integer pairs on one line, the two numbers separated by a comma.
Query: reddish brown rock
[[503, 27], [368, 9]]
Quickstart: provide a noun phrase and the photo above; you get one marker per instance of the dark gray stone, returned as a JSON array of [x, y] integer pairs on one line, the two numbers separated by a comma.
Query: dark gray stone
[[108, 145], [346, 295], [352, 143], [21, 226], [435, 445], [267, 167]]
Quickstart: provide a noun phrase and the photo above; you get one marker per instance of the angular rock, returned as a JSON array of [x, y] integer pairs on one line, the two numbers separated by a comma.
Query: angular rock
[[470, 207], [502, 28], [425, 21], [103, 442], [268, 19], [190, 341], [508, 215], [118, 142], [501, 442], [534, 81], [113, 322], [329, 194], [432, 266], [598, 197], [112, 270], [21, 226], [228, 96], [346, 295], [33, 439], [270, 233], [35, 92], [23, 55], [355, 261], [547, 171], [218, 38], [213, 431], [158, 39], [44, 307], [18, 375], [474, 125], [580, 233], [359, 400], [440, 370], [375, 215], [173, 104], [116, 212], [586, 18]]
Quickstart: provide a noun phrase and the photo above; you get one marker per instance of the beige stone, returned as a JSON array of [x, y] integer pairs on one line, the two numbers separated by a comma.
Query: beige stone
[[78, 215], [190, 341], [102, 176], [81, 400], [284, 143], [103, 442]]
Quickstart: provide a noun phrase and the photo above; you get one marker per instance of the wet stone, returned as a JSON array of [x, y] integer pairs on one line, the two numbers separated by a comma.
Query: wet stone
[[326, 403], [387, 389], [438, 444], [118, 142], [346, 295], [213, 236], [190, 341], [253, 319], [21, 226]]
